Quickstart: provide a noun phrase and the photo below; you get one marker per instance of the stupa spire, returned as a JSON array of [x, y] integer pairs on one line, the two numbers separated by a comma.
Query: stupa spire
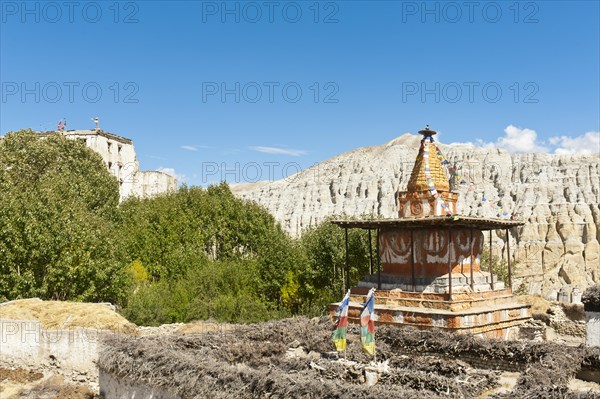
[[418, 178]]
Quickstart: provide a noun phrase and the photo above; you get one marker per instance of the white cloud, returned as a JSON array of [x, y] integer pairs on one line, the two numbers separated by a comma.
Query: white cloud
[[519, 140], [189, 148], [467, 143], [278, 151], [171, 171], [588, 143]]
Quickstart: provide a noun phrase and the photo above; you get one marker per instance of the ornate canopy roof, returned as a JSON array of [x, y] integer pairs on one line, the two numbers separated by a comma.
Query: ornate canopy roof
[[411, 223]]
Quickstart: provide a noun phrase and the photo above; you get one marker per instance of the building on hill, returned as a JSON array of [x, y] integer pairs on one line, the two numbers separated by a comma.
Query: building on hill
[[118, 155]]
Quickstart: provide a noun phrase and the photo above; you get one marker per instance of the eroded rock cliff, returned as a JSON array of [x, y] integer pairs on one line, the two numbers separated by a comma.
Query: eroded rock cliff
[[557, 195]]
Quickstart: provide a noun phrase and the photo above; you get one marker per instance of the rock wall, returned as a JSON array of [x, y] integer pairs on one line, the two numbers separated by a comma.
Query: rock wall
[[558, 196]]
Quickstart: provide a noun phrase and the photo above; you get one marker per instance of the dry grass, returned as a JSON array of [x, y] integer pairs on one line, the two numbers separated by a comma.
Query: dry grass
[[199, 327], [19, 375], [67, 315], [55, 387], [253, 361]]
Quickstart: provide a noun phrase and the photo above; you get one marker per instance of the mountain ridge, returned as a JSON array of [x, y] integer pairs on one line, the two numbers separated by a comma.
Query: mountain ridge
[[557, 195]]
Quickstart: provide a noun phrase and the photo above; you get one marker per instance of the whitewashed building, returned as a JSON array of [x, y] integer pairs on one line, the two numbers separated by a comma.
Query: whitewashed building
[[118, 154]]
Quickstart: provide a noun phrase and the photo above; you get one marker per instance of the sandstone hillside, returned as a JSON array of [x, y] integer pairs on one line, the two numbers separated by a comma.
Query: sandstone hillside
[[558, 195]]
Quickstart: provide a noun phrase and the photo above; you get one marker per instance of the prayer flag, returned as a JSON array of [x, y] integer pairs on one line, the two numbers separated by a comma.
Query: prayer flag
[[339, 335], [367, 324]]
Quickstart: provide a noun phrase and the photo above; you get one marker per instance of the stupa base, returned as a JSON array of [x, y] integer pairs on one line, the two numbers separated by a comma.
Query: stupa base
[[461, 282], [490, 314]]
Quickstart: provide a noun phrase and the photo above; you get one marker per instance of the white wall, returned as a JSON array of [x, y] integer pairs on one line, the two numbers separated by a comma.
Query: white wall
[[592, 328], [120, 159], [24, 343]]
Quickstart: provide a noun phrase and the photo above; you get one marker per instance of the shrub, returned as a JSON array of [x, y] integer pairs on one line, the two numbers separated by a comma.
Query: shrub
[[225, 291], [591, 299]]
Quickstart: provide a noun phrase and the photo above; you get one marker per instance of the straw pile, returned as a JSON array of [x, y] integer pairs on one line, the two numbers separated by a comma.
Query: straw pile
[[199, 327], [67, 315]]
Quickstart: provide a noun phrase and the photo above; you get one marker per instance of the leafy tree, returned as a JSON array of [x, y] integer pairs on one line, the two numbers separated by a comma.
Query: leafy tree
[[196, 231], [219, 290], [176, 231], [499, 266], [192, 254], [591, 298], [57, 221], [323, 277]]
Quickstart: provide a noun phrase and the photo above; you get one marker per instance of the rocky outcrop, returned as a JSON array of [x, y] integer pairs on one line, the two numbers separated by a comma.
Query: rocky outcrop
[[558, 196]]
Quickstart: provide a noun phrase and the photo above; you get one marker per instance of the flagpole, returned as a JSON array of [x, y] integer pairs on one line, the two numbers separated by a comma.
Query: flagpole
[[374, 346]]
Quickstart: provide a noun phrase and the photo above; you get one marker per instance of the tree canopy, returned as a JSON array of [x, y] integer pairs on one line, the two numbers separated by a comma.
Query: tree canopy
[[57, 217], [195, 253]]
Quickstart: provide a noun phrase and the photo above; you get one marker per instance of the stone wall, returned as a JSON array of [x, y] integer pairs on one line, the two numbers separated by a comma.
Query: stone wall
[[557, 195], [73, 352]]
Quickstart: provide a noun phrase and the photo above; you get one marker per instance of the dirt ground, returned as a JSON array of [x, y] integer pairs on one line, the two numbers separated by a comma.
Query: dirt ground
[[29, 384]]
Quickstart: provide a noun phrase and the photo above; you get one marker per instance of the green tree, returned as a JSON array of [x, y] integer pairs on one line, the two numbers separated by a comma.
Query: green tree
[[176, 231], [57, 221], [219, 290], [209, 232], [323, 277], [499, 266]]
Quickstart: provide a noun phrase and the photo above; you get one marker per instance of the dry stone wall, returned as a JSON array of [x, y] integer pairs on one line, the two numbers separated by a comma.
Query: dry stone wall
[[557, 195]]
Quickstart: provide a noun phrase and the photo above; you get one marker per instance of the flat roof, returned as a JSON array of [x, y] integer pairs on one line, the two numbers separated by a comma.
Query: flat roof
[[456, 221], [94, 132]]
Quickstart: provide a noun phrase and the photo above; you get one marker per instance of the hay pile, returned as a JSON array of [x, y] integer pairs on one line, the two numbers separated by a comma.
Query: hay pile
[[292, 359], [199, 327], [67, 315]]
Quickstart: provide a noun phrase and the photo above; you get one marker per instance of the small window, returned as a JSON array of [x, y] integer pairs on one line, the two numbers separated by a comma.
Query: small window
[[110, 165], [109, 147], [119, 148]]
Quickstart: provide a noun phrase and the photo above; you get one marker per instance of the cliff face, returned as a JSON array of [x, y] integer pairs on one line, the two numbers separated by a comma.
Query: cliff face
[[558, 196]]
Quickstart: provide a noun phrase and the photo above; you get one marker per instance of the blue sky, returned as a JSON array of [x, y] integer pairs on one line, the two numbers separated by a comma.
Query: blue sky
[[207, 88]]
